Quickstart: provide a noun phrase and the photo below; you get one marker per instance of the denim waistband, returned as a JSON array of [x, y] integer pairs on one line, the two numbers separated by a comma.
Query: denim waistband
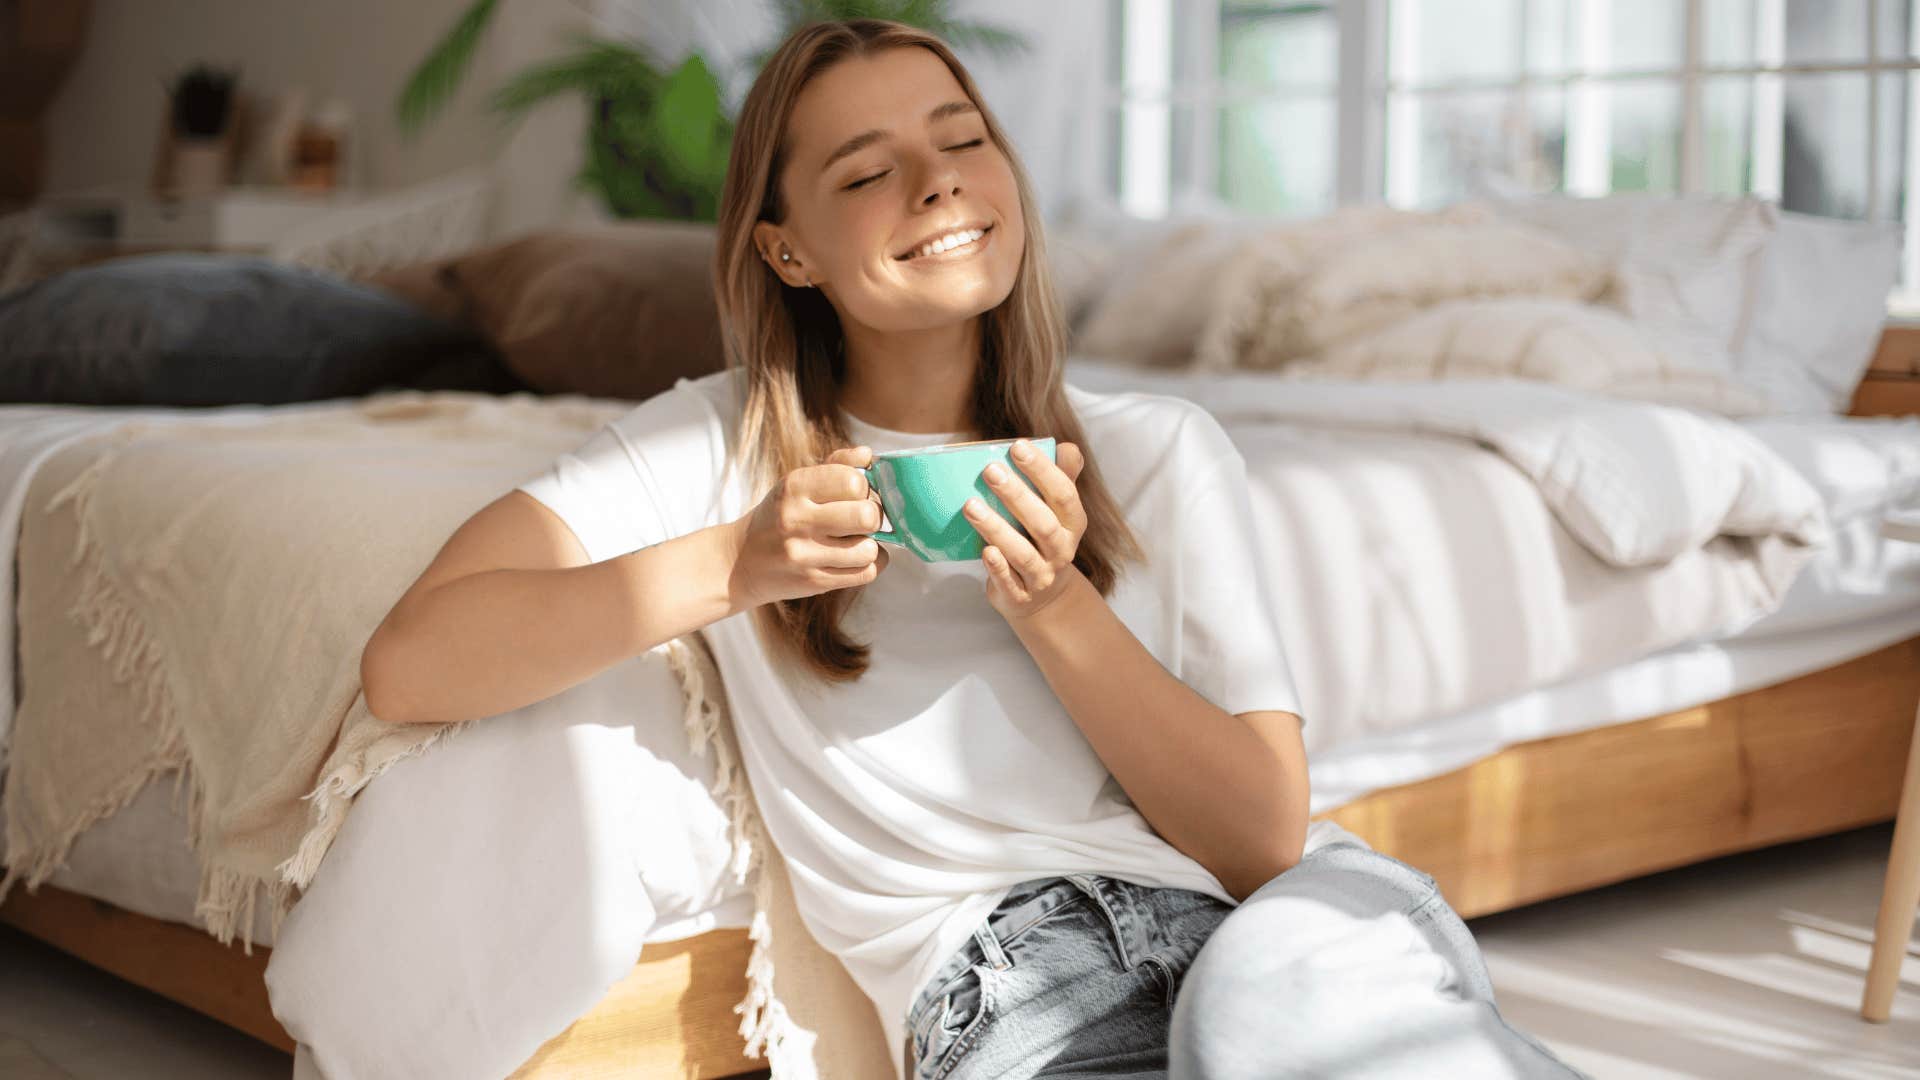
[[1024, 905]]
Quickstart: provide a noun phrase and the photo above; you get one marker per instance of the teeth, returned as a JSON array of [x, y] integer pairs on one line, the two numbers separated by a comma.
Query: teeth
[[949, 242]]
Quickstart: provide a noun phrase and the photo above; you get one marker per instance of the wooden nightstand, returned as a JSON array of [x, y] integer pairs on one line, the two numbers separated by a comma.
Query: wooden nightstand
[[1891, 386]]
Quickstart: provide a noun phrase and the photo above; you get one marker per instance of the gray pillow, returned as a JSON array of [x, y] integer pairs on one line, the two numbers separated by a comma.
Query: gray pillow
[[197, 329]]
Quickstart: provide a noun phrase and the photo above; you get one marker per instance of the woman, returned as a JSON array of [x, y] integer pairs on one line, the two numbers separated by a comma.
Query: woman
[[1015, 796]]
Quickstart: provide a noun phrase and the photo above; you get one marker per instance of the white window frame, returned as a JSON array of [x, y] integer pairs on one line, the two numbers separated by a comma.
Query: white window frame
[[1147, 93]]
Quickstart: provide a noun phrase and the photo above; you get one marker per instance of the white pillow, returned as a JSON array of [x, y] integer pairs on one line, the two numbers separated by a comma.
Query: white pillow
[[1684, 267], [1819, 307], [1555, 340]]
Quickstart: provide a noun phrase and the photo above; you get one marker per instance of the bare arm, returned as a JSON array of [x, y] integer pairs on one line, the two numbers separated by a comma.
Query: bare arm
[[512, 612]]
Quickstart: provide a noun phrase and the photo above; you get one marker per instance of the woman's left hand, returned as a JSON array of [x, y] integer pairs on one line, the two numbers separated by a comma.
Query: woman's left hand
[[1025, 575]]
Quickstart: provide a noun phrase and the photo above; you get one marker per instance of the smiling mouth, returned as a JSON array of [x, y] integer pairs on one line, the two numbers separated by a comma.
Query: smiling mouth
[[959, 251]]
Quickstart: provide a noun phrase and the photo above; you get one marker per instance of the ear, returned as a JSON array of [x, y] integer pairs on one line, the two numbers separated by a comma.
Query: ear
[[772, 242]]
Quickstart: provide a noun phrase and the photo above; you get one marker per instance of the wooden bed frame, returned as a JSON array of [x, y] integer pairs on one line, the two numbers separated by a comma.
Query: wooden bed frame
[[1805, 757]]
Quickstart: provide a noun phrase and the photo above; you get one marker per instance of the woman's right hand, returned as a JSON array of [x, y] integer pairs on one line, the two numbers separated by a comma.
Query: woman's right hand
[[810, 534]]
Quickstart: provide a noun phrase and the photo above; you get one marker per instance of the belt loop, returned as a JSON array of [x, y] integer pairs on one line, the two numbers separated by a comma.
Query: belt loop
[[996, 956]]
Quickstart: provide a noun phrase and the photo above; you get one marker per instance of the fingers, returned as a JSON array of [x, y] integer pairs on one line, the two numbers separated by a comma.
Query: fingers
[[851, 553], [1034, 569], [845, 518], [1003, 576], [858, 457], [1070, 460], [1055, 486], [836, 481], [1043, 525]]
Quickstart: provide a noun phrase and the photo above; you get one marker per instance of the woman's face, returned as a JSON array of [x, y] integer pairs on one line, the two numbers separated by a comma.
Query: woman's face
[[888, 156]]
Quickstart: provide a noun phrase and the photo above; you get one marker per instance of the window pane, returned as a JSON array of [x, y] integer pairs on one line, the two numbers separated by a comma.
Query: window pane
[[1543, 152], [1299, 46], [1890, 35], [1890, 147], [1438, 41], [1444, 147], [1277, 157], [1549, 37], [1823, 145], [1728, 132], [1729, 27], [1645, 34], [1896, 93], [1826, 31], [1644, 154]]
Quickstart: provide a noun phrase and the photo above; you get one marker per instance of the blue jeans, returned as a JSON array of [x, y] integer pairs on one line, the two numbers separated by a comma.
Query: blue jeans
[[1348, 964]]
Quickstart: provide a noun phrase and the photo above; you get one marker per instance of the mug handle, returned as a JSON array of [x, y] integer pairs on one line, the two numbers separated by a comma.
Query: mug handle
[[884, 536]]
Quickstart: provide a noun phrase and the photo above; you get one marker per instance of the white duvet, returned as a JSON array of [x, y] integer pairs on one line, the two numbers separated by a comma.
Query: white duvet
[[1415, 574]]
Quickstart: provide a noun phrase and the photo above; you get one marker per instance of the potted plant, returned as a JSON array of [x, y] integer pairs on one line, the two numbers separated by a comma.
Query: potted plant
[[658, 133], [200, 121]]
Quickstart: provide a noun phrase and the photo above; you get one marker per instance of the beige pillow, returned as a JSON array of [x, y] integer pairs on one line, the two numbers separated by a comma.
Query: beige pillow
[[1267, 268], [1561, 341], [1152, 312], [1380, 279], [620, 311]]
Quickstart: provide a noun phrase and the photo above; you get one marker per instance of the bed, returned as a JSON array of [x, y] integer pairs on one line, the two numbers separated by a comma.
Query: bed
[[1797, 727]]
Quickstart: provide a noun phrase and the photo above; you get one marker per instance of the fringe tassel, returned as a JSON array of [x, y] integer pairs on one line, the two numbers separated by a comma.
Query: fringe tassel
[[131, 657], [331, 799], [226, 899], [765, 1024]]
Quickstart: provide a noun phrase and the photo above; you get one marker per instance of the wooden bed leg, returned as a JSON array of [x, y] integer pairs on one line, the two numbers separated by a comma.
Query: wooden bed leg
[[1900, 897]]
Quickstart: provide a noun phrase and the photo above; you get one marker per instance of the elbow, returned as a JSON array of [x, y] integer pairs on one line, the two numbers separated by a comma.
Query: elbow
[[376, 682], [1243, 881]]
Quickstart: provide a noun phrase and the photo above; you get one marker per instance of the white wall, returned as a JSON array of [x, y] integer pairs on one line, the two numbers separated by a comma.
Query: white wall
[[102, 129]]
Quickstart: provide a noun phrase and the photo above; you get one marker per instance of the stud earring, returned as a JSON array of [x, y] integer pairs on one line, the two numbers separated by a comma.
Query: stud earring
[[786, 256]]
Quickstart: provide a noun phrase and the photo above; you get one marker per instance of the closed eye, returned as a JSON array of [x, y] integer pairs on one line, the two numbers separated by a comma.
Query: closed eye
[[864, 181]]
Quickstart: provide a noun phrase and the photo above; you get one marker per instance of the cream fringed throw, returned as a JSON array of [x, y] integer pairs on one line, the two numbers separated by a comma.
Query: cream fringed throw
[[228, 576], [803, 1012]]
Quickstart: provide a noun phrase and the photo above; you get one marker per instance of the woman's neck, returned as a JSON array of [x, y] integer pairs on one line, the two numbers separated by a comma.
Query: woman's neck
[[914, 381]]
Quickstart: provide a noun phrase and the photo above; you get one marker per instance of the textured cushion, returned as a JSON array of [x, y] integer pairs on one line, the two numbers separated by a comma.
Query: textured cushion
[[1553, 340], [621, 311], [1383, 278], [1819, 308], [1268, 267], [197, 329], [1160, 280]]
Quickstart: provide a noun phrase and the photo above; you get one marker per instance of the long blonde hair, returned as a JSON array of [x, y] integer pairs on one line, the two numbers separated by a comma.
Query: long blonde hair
[[788, 340]]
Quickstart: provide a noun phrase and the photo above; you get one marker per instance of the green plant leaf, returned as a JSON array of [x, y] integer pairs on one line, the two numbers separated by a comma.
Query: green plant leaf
[[594, 67], [685, 118], [432, 84], [995, 40]]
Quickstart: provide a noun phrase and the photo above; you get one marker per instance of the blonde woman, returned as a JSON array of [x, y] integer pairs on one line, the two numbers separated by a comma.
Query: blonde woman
[[1016, 796]]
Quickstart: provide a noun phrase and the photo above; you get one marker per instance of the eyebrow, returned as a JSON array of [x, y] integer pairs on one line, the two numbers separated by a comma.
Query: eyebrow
[[868, 138]]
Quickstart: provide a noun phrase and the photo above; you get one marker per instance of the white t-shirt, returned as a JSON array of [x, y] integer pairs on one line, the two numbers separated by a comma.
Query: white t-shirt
[[907, 802]]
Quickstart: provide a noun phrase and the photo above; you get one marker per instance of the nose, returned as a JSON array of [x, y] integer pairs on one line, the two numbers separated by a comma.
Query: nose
[[943, 179]]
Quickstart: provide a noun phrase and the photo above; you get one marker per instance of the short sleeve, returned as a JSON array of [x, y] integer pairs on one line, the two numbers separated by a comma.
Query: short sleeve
[[648, 476], [1231, 649]]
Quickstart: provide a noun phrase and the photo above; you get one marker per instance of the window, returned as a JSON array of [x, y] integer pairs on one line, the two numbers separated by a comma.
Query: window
[[1290, 109]]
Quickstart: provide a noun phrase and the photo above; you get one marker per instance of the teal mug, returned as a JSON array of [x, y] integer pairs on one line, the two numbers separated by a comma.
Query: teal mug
[[924, 490]]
